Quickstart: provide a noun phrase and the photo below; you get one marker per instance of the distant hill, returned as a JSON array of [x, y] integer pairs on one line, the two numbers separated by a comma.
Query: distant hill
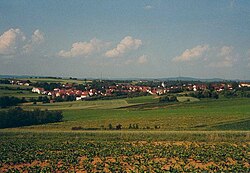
[[192, 79], [160, 79], [15, 76]]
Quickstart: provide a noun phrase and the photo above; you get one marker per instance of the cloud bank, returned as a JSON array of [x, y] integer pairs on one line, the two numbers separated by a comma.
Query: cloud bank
[[225, 57], [143, 59], [14, 41], [127, 44], [148, 7], [83, 48], [36, 39], [191, 54], [215, 56], [10, 41]]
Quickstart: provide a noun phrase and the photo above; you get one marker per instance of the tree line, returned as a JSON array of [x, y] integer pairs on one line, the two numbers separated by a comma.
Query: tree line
[[7, 101], [17, 117]]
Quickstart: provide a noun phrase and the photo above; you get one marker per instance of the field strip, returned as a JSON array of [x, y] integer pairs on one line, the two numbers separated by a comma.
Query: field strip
[[124, 131], [123, 135]]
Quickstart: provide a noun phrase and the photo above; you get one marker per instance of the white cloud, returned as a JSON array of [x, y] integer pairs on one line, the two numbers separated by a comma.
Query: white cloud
[[139, 60], [226, 51], [191, 54], [127, 44], [143, 59], [148, 7], [13, 42], [36, 39], [10, 41], [83, 48], [225, 57]]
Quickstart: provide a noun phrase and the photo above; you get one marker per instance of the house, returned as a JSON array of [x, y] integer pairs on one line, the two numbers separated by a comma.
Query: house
[[244, 85], [84, 95], [51, 93], [152, 91], [78, 98], [45, 92], [37, 90], [56, 89], [58, 94], [194, 88]]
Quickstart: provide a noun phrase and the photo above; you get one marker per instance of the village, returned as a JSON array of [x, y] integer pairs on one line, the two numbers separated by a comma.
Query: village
[[127, 88], [115, 89]]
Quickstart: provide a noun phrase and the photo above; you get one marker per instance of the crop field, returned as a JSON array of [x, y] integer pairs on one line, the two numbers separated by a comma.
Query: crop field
[[83, 152]]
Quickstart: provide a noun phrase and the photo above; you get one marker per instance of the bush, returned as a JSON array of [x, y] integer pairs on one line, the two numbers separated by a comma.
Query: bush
[[165, 99], [110, 126], [205, 94]]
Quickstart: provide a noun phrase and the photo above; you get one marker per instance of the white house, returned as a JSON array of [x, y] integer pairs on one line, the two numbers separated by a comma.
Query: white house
[[78, 98], [244, 85], [194, 88], [37, 90]]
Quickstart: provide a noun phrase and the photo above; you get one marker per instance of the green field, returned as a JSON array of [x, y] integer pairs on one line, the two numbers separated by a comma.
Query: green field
[[54, 80], [192, 135], [16, 87], [17, 91], [222, 114]]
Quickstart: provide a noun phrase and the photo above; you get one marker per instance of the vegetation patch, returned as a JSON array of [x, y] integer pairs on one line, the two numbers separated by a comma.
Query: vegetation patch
[[17, 117]]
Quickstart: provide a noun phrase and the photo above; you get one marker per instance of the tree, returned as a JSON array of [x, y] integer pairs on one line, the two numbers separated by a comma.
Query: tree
[[7, 101], [163, 99], [235, 85], [172, 98], [119, 127], [206, 93], [59, 99], [17, 117], [110, 126], [214, 95]]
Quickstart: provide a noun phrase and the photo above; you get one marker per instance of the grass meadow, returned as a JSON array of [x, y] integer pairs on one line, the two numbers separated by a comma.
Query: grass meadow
[[211, 115]]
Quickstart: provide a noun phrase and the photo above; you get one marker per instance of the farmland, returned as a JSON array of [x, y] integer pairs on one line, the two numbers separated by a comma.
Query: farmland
[[197, 115], [55, 80], [82, 152], [186, 136]]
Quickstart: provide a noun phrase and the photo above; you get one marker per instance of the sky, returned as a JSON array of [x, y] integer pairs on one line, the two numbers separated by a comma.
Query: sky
[[125, 38]]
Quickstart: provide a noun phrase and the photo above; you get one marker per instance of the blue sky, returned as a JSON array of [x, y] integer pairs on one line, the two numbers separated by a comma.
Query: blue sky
[[125, 38]]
